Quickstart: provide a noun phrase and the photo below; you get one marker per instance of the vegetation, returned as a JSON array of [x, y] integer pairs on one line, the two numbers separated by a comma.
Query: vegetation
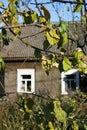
[[54, 35], [36, 113]]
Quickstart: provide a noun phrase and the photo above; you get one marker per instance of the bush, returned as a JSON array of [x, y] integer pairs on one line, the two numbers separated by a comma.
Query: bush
[[37, 113]]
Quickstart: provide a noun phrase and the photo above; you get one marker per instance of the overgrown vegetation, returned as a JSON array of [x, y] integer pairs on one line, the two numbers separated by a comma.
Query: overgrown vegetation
[[36, 113]]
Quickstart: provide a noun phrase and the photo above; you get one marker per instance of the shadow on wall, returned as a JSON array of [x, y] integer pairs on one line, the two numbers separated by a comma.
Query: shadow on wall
[[2, 86], [83, 83]]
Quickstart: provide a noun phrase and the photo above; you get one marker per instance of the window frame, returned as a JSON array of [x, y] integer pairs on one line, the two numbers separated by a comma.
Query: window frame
[[20, 79], [64, 79]]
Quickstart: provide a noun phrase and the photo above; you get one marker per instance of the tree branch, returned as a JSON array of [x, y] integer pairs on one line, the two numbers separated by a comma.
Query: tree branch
[[60, 1]]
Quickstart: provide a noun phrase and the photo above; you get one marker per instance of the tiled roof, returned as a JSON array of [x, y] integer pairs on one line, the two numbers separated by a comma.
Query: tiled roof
[[16, 49], [34, 36]]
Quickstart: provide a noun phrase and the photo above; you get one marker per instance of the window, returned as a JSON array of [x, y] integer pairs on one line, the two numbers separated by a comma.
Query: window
[[70, 81], [26, 80]]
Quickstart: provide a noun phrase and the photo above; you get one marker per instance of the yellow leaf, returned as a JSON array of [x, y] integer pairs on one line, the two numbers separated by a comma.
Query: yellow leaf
[[78, 7], [50, 125], [1, 4], [59, 113], [2, 64], [46, 13], [14, 23], [75, 126], [34, 16], [1, 21], [16, 30], [67, 65], [27, 109], [42, 20], [65, 39], [52, 36], [78, 55], [82, 66]]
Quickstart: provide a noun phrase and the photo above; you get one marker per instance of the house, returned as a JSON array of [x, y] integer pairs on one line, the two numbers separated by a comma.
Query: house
[[23, 72], [19, 59]]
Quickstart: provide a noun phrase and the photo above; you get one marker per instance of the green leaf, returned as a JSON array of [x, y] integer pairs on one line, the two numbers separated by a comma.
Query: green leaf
[[63, 34], [84, 18], [39, 118], [5, 40], [59, 113], [82, 67], [46, 45], [29, 17], [48, 109], [13, 1], [67, 65], [2, 64], [78, 7], [85, 126], [4, 32], [52, 36], [12, 9], [30, 103], [60, 67], [62, 50], [37, 53], [63, 27], [64, 39], [78, 55]]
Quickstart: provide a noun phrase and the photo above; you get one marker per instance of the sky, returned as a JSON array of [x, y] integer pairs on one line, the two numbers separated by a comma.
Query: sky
[[63, 11]]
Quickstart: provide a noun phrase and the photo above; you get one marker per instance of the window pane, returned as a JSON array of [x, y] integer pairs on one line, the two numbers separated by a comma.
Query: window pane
[[23, 82], [70, 86], [28, 85], [22, 88], [72, 76], [73, 85], [26, 76]]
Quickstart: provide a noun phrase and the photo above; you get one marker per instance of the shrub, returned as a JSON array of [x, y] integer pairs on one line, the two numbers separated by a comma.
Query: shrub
[[37, 113]]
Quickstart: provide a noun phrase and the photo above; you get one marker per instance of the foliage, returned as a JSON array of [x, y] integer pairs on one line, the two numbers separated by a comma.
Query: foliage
[[54, 35], [31, 114], [2, 64], [64, 113]]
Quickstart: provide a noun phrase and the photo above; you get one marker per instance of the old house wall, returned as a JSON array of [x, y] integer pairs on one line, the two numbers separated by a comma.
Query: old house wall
[[44, 85], [2, 83]]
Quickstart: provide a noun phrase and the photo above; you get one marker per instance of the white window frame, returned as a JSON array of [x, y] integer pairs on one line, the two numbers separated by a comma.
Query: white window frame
[[24, 88], [64, 79]]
